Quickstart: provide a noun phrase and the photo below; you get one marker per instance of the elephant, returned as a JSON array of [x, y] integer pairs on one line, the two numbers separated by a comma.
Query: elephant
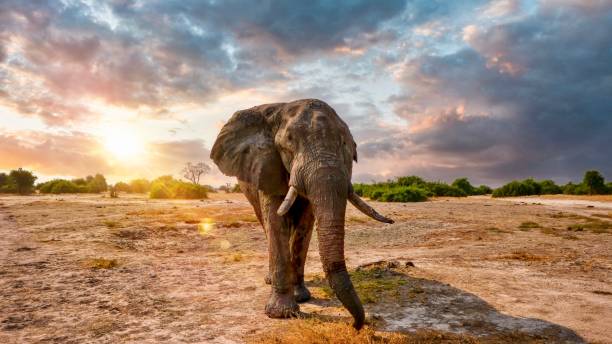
[[293, 162]]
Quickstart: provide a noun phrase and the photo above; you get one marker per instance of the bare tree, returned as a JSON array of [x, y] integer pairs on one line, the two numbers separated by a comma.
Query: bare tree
[[193, 172]]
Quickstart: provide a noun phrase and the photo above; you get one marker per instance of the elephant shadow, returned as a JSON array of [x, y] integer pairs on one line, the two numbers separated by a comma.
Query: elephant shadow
[[406, 303]]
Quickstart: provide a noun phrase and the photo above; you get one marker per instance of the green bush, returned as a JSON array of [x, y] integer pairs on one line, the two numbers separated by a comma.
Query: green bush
[[442, 189], [594, 182], [548, 187], [185, 190], [60, 186], [166, 187], [140, 186], [464, 185], [483, 190], [160, 190], [410, 181], [403, 194], [575, 189], [518, 188], [122, 187], [20, 181]]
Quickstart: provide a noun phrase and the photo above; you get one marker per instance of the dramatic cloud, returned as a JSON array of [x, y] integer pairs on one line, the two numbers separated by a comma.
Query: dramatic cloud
[[526, 98], [487, 89]]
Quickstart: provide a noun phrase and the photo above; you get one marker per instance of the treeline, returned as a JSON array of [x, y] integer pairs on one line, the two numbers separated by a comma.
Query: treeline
[[416, 189], [21, 181], [593, 183], [17, 181], [89, 184]]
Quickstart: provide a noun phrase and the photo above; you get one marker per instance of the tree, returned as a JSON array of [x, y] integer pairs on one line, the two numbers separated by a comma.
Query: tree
[[464, 185], [193, 172], [140, 185], [122, 187], [594, 182], [4, 179], [24, 180], [97, 183]]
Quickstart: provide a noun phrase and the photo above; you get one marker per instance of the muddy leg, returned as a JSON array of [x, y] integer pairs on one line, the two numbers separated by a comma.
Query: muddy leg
[[281, 303], [300, 240], [252, 196]]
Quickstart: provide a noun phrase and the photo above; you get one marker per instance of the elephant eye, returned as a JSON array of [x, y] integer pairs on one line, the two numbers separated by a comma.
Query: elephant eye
[[289, 137]]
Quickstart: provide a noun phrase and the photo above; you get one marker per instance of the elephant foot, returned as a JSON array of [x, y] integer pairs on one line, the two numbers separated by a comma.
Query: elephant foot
[[301, 293], [282, 306], [268, 279]]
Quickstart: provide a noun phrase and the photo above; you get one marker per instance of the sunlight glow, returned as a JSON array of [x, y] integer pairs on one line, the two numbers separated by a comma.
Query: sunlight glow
[[205, 226], [122, 143]]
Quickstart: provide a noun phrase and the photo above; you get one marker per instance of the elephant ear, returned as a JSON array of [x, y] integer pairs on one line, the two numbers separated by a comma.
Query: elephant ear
[[245, 149]]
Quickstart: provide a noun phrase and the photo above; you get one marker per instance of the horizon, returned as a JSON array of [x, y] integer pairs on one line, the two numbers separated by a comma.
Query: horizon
[[489, 90]]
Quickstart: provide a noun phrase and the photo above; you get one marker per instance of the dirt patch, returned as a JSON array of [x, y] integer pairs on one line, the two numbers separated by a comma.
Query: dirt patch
[[193, 271]]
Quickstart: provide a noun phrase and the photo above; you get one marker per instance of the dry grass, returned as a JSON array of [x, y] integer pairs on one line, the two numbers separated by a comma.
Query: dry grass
[[373, 284], [100, 263], [526, 226], [111, 224], [524, 256], [318, 332]]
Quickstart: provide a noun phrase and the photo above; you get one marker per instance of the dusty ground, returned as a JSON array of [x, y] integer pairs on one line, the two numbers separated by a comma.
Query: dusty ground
[[91, 269]]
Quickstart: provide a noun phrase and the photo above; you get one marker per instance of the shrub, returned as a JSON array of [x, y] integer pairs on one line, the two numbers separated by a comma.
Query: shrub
[[185, 190], [403, 194], [65, 186], [411, 180], [548, 187], [168, 187], [518, 188], [4, 179], [464, 185], [159, 190], [483, 190], [96, 184], [22, 181], [575, 189], [594, 181], [443, 189], [122, 187], [140, 186]]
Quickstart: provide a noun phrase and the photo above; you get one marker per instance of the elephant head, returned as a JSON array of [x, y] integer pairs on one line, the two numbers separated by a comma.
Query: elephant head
[[300, 148]]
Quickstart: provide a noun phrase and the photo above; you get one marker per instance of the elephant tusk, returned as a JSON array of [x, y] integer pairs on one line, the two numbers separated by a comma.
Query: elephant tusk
[[367, 209], [288, 201]]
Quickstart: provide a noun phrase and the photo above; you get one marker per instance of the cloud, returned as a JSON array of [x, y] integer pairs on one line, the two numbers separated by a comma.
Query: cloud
[[160, 53], [526, 98], [78, 154]]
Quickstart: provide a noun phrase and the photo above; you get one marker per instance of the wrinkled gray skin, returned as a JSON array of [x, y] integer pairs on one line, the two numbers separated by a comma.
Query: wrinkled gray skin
[[306, 147]]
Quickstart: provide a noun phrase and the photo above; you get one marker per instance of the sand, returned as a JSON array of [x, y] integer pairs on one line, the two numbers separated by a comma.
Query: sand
[[86, 268]]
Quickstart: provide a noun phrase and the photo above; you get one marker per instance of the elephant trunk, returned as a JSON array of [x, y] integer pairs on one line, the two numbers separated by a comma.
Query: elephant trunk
[[328, 196]]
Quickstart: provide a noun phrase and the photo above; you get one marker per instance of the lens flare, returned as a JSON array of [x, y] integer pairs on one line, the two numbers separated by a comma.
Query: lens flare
[[205, 226]]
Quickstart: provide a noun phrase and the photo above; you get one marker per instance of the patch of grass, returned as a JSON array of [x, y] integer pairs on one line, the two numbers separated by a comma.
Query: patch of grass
[[357, 219], [319, 332], [373, 284], [594, 225], [111, 224], [101, 263], [496, 230], [526, 226]]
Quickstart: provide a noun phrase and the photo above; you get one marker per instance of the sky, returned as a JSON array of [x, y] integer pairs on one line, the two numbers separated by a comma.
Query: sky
[[491, 90]]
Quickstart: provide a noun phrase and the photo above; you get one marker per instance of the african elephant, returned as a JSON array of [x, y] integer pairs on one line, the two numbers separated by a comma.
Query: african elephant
[[294, 163]]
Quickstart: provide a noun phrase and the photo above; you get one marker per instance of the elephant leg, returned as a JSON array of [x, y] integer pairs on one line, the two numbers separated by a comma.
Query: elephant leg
[[281, 303], [252, 196], [300, 240]]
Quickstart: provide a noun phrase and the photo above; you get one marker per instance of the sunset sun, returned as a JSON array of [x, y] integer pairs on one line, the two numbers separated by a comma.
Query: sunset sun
[[123, 143]]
